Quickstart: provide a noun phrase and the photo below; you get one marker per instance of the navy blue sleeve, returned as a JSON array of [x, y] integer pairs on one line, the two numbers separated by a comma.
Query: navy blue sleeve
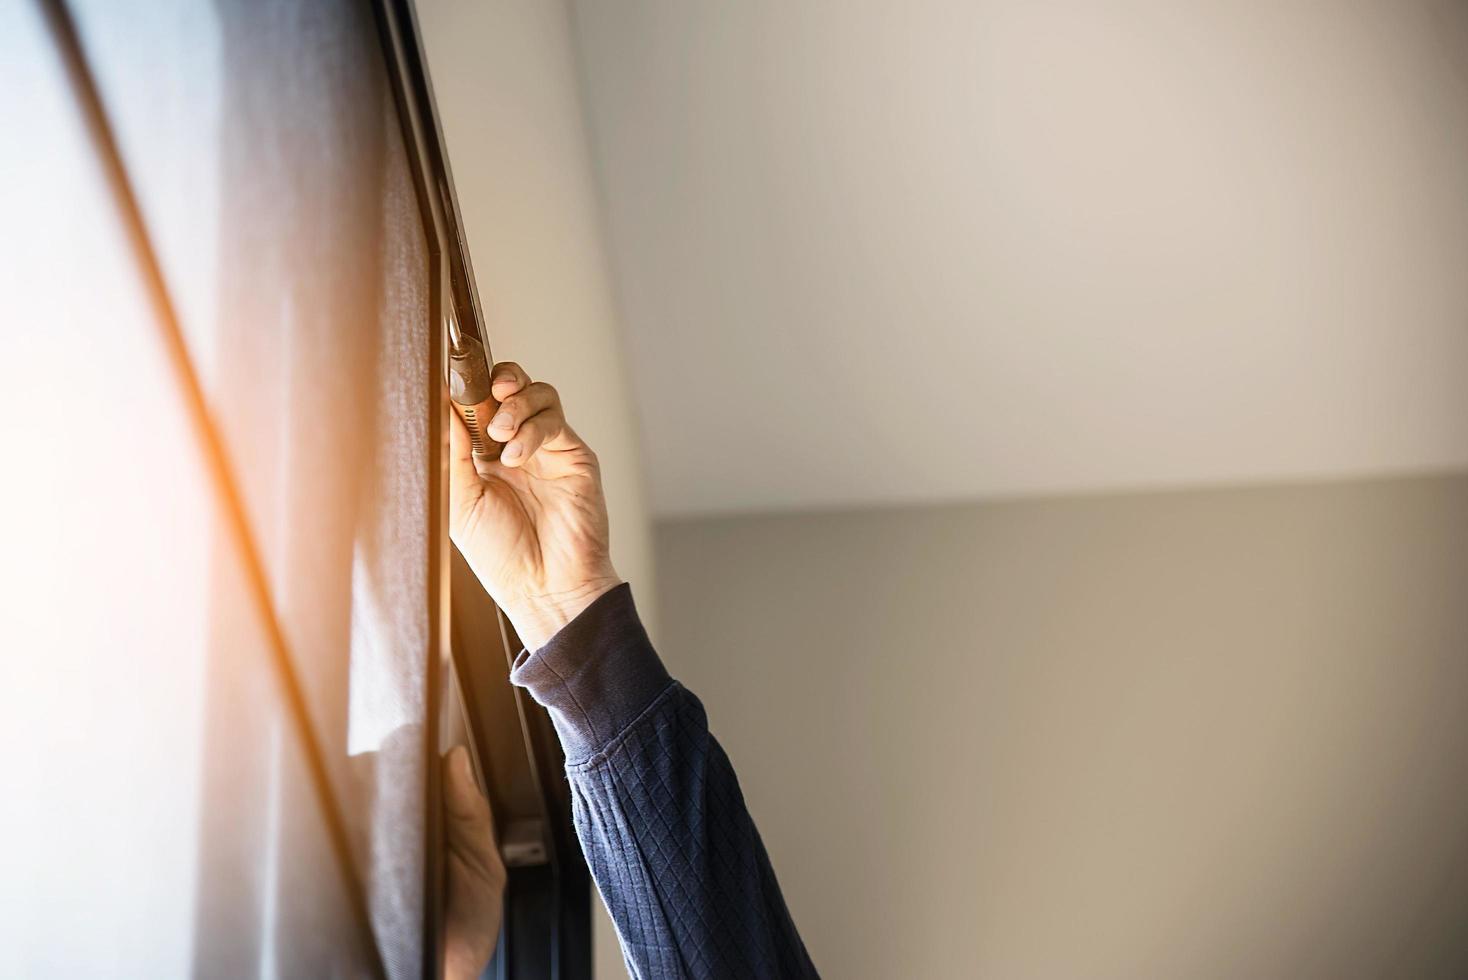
[[658, 808]]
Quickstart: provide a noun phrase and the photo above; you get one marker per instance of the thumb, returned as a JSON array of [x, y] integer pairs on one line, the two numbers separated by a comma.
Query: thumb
[[461, 456], [466, 484]]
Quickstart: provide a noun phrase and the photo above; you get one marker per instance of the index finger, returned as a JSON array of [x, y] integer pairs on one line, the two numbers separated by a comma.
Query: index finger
[[506, 378]]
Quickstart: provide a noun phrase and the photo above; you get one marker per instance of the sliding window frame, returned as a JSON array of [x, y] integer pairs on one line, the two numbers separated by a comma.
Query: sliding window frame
[[547, 922]]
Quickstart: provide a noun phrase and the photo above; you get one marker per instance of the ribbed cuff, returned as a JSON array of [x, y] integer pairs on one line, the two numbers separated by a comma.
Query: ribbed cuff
[[596, 675]]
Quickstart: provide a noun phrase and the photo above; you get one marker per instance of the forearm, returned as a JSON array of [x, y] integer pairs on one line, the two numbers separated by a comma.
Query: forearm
[[658, 808]]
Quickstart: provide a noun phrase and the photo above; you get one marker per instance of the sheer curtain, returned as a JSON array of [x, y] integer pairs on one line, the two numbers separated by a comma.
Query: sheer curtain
[[159, 813]]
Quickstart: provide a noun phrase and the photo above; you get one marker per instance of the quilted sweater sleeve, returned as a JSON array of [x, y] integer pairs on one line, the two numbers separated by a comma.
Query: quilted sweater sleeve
[[657, 807]]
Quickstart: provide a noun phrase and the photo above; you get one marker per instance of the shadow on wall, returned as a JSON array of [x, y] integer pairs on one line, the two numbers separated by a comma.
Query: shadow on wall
[[1205, 734]]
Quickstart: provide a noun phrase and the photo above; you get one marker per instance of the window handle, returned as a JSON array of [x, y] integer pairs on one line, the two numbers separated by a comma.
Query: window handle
[[469, 389]]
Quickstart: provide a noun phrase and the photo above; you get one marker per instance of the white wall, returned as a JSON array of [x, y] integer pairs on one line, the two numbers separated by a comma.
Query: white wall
[[876, 252], [1209, 734], [505, 81], [1192, 735]]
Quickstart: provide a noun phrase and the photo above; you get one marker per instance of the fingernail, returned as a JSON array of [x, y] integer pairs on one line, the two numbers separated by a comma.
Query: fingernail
[[512, 451], [501, 421], [503, 379]]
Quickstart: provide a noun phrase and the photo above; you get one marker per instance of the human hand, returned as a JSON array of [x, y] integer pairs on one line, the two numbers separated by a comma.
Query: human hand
[[533, 523], [473, 871]]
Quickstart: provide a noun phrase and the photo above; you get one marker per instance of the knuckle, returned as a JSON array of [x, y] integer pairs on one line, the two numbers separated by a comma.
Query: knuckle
[[532, 433]]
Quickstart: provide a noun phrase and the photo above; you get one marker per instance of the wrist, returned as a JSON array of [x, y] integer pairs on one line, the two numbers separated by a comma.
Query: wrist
[[538, 618]]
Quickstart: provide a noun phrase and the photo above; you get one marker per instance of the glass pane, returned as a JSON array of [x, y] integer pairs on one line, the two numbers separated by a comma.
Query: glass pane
[[123, 606]]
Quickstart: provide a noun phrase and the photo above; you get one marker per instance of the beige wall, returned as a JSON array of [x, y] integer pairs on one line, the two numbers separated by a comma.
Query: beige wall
[[506, 88], [505, 83], [1170, 735]]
